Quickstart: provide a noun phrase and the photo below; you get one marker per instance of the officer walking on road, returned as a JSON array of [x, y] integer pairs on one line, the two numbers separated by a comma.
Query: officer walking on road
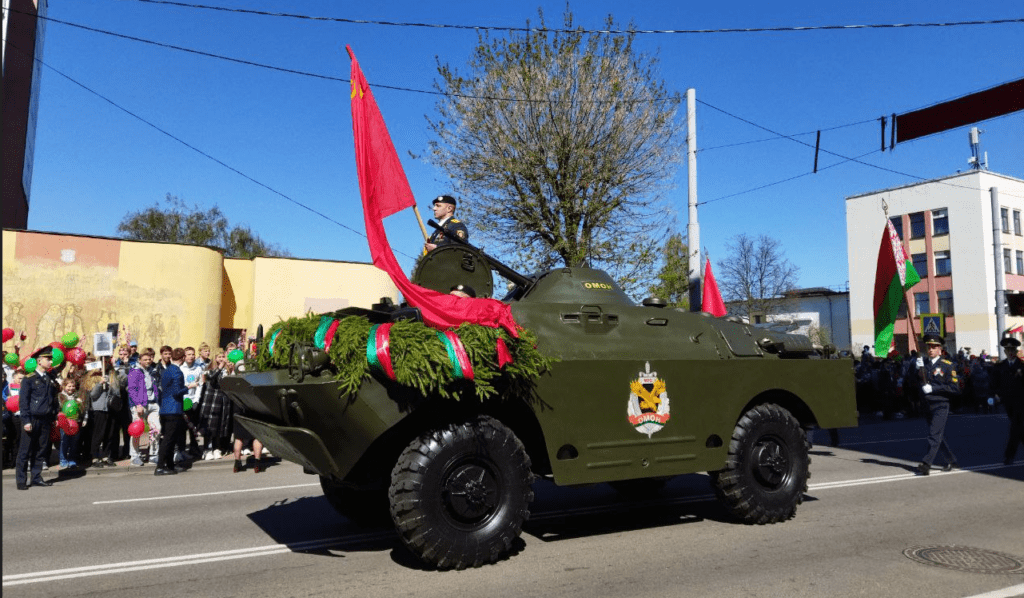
[[940, 384], [39, 407], [444, 212], [1009, 385]]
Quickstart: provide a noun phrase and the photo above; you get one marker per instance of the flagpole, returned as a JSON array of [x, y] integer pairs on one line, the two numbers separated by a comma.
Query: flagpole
[[419, 219]]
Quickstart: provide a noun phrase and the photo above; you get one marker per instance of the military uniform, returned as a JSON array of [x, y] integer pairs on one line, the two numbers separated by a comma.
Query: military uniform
[[452, 227], [1009, 384], [941, 375], [39, 405]]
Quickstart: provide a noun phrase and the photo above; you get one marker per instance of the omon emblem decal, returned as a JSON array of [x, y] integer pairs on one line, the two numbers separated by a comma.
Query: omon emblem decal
[[648, 402]]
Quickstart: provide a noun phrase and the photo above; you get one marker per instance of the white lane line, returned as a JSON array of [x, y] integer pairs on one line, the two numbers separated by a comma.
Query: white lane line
[[903, 477], [184, 560], [1009, 592], [124, 500], [891, 440]]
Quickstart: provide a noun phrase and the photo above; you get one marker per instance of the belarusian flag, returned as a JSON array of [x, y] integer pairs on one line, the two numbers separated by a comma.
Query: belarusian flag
[[894, 276]]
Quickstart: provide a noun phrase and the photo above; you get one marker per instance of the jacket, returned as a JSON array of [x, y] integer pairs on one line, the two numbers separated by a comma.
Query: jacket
[[172, 391], [942, 376], [137, 395], [38, 397]]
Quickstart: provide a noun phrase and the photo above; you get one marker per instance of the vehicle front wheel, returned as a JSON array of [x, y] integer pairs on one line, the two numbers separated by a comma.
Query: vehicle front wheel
[[766, 472], [459, 495]]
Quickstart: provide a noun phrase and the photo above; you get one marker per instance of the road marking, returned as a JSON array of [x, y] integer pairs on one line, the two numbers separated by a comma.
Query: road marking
[[846, 444], [186, 560], [1009, 592], [124, 500], [901, 477]]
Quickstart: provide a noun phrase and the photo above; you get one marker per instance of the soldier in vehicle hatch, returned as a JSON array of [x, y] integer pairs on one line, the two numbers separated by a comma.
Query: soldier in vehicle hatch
[[444, 212]]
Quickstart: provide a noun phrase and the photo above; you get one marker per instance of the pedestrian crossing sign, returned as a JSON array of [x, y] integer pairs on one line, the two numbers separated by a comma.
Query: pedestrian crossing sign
[[933, 324]]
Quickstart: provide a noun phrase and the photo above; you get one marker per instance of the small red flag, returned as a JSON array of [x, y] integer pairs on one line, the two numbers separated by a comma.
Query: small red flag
[[711, 299], [385, 190]]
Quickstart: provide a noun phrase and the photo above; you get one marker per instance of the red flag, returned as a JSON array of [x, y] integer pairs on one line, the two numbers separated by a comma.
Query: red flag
[[385, 190], [711, 299]]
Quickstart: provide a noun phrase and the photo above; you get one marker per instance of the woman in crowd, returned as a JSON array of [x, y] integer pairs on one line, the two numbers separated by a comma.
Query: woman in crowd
[[68, 443], [215, 414], [104, 392]]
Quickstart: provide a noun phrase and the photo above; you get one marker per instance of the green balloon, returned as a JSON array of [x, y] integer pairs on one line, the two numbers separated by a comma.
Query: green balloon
[[11, 359], [58, 357], [188, 404], [30, 365], [70, 409], [236, 355], [69, 340]]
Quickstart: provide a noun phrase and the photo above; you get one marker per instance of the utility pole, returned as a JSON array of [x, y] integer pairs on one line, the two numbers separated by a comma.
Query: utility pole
[[693, 228], [997, 254]]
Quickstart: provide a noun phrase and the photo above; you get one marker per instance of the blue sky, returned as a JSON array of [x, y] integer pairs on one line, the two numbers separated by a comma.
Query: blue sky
[[94, 163]]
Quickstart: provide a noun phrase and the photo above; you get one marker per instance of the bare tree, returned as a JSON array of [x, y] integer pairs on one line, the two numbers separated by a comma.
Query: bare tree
[[755, 275], [561, 145]]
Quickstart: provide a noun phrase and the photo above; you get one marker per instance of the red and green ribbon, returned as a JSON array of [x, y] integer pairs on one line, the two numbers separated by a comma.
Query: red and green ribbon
[[378, 349], [321, 331], [329, 337], [462, 367]]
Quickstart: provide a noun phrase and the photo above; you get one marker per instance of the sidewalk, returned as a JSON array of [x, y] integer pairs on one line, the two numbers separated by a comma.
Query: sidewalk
[[126, 468]]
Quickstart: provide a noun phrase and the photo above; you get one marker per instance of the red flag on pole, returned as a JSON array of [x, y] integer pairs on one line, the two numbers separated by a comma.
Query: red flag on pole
[[711, 299], [385, 190]]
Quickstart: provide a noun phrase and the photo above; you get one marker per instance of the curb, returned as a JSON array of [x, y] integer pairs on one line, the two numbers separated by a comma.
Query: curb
[[126, 468]]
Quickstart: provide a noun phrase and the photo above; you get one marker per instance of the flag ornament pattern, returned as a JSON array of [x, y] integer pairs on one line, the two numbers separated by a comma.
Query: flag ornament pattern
[[894, 276], [385, 190], [711, 299]]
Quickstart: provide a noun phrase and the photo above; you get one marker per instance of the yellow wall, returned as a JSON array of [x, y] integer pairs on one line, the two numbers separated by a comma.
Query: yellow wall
[[163, 293]]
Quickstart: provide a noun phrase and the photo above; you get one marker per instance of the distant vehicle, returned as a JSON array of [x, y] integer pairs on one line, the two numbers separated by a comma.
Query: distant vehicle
[[638, 394]]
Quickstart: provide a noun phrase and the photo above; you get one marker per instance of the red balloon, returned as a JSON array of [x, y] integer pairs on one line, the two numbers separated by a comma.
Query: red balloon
[[61, 418], [76, 356], [12, 404], [71, 428], [136, 428], [56, 345], [54, 432], [8, 334]]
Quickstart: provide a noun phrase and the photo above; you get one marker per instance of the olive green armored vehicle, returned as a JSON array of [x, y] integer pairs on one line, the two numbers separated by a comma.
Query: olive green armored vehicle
[[632, 395]]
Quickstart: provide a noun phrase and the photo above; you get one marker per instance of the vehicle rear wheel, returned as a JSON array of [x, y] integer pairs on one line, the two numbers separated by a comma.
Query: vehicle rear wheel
[[459, 495], [767, 468]]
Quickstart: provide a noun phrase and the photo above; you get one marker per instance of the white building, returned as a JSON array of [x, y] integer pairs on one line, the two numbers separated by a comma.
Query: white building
[[803, 311], [946, 227]]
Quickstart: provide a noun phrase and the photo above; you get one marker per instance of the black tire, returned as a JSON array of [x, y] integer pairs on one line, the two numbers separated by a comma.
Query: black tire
[[766, 472], [364, 507], [459, 495]]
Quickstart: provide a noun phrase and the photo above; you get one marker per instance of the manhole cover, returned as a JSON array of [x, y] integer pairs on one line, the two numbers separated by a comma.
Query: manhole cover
[[965, 558]]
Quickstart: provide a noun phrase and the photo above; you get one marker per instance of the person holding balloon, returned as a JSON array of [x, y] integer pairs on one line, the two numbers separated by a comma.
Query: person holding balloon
[[144, 401], [72, 407], [39, 407]]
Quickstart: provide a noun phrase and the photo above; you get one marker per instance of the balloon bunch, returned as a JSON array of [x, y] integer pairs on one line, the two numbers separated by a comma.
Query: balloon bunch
[[65, 422]]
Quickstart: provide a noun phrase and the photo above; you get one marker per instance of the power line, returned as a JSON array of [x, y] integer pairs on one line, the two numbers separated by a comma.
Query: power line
[[581, 30], [196, 149], [714, 147]]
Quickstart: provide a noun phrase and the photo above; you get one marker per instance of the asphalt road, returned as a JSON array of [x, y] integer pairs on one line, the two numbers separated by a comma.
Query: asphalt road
[[209, 532]]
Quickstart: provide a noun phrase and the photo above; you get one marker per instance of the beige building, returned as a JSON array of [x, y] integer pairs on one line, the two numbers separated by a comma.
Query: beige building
[[164, 293]]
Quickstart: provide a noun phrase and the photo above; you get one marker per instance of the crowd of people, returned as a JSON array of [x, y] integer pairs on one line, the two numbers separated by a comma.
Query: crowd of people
[[167, 410]]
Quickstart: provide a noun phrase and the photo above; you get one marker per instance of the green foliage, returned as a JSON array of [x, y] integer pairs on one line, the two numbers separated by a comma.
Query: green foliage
[[562, 145], [179, 223], [674, 278], [419, 357]]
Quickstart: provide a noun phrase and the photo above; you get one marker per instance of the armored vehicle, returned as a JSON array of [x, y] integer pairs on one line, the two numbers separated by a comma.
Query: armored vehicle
[[632, 395]]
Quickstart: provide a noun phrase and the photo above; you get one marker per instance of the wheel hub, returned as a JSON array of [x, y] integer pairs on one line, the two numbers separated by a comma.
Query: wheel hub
[[771, 463], [471, 493]]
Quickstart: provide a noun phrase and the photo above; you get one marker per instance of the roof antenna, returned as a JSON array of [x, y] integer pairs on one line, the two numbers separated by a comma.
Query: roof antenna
[[978, 161]]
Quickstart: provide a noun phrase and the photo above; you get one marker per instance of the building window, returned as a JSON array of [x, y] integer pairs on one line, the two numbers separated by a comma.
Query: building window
[[917, 225], [921, 303], [897, 223], [940, 222], [901, 313], [1005, 214], [1020, 262], [945, 302], [1006, 262], [920, 264], [942, 263], [1016, 222]]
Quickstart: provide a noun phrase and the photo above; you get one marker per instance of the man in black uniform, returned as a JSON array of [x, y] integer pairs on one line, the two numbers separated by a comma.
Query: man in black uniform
[[39, 406], [444, 212], [940, 384], [1009, 384]]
